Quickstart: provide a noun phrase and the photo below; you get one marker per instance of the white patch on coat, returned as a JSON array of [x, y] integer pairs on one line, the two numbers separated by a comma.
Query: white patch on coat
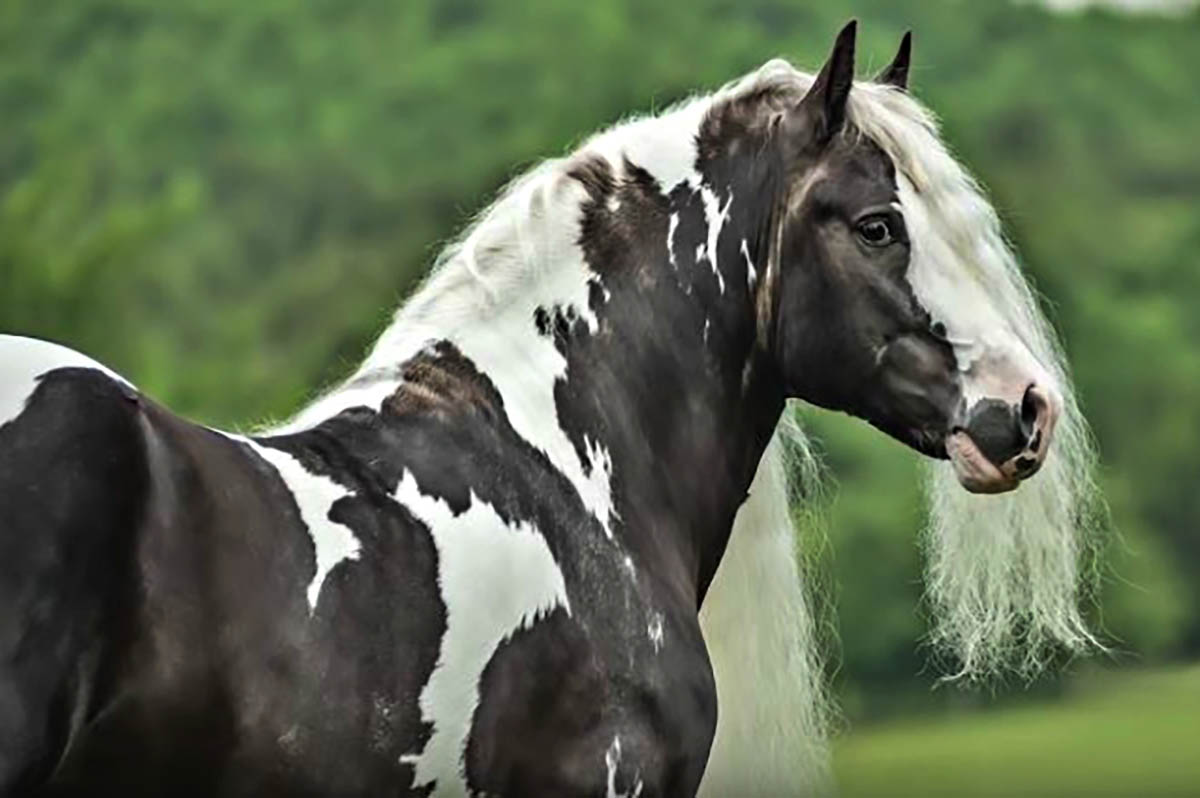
[[595, 490], [24, 361], [751, 272], [315, 495], [672, 226], [500, 339], [664, 146], [715, 217], [495, 579]]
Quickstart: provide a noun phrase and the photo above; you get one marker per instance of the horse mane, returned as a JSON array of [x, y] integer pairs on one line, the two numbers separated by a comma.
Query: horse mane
[[1004, 573], [763, 634]]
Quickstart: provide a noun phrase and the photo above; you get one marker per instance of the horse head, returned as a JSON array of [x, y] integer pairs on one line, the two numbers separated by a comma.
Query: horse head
[[879, 311]]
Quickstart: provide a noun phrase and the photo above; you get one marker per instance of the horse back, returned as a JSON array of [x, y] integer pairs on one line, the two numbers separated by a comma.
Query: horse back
[[145, 569]]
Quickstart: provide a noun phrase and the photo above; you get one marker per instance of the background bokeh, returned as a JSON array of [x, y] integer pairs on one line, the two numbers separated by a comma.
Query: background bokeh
[[225, 200]]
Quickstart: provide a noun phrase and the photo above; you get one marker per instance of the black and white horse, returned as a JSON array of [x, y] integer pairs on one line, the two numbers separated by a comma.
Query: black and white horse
[[540, 542]]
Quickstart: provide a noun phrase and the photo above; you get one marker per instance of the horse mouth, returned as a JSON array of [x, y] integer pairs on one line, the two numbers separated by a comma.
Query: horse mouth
[[974, 470]]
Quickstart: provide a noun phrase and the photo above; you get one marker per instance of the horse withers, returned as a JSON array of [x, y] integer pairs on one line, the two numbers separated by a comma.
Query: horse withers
[[539, 543]]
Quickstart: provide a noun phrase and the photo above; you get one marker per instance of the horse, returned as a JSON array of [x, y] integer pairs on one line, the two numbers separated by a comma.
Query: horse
[[540, 542]]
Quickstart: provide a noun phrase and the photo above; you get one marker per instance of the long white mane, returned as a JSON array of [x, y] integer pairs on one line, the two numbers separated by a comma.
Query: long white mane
[[1004, 573]]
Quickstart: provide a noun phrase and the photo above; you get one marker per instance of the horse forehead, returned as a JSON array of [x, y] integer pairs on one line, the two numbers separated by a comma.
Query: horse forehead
[[856, 157]]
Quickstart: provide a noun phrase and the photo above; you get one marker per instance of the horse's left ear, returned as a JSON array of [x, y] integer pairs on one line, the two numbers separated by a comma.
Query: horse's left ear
[[823, 109], [897, 72]]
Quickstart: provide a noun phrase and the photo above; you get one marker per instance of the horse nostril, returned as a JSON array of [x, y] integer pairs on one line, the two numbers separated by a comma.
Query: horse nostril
[[1032, 404], [1013, 434]]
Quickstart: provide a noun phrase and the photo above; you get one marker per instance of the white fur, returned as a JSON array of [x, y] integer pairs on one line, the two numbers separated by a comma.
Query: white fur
[[772, 715], [672, 226], [495, 580], [715, 217], [665, 145], [751, 272], [531, 264], [315, 495], [23, 362]]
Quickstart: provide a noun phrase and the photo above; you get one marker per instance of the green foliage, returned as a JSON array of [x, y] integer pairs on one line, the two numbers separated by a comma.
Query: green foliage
[[224, 201]]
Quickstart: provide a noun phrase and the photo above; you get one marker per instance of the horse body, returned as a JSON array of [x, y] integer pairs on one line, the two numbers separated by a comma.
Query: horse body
[[224, 677], [478, 565], [407, 591]]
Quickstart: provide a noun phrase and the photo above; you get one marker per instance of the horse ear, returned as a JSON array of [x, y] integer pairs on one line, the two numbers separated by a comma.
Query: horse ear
[[824, 107], [897, 72]]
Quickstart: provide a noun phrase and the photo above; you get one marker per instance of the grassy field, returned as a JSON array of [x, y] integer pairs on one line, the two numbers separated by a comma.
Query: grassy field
[[1127, 735]]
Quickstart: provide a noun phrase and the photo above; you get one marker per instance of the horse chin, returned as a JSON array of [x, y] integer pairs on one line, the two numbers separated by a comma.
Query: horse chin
[[974, 471]]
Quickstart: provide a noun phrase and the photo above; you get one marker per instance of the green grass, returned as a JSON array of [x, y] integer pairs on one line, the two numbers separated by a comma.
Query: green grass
[[1117, 735]]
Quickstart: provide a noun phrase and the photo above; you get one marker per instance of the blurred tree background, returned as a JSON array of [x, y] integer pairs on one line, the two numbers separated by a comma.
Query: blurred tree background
[[225, 201]]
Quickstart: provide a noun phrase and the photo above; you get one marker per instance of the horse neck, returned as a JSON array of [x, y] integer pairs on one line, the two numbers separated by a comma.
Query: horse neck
[[664, 376], [617, 320]]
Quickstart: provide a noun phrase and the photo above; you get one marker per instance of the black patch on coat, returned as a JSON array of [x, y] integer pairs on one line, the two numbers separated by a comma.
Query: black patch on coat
[[73, 479]]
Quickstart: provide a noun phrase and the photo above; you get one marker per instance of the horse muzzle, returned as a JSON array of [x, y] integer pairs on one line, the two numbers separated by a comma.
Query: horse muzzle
[[1004, 442]]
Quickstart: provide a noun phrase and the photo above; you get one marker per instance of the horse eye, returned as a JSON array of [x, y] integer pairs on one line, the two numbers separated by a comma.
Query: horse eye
[[876, 231]]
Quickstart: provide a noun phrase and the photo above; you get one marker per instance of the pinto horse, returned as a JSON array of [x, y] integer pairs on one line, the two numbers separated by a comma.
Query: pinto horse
[[539, 543]]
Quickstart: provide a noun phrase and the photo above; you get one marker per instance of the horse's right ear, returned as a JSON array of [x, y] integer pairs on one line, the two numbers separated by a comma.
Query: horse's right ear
[[823, 109], [897, 72]]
